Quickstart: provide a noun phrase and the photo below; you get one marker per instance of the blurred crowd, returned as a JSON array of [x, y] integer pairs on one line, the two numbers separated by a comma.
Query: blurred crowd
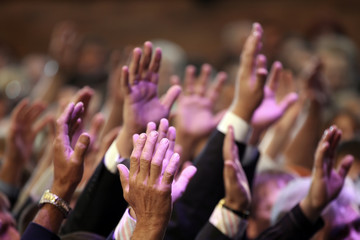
[[143, 143]]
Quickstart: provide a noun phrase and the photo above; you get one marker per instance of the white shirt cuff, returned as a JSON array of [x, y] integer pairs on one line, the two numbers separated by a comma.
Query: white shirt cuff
[[242, 129], [112, 158], [125, 227], [227, 222]]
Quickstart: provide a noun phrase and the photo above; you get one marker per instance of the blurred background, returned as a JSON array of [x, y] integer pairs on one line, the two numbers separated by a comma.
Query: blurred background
[[196, 25]]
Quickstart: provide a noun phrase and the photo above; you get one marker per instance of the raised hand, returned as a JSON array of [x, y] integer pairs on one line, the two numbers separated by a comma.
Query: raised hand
[[327, 182], [274, 105], [237, 191], [251, 77], [146, 189], [194, 118], [64, 45], [68, 166], [141, 101], [24, 126], [183, 176], [68, 161]]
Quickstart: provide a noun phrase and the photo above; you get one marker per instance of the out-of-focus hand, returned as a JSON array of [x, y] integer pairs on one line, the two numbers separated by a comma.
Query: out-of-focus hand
[[251, 77], [272, 107], [237, 191], [327, 182], [194, 117], [64, 45], [141, 102], [68, 161], [24, 127]]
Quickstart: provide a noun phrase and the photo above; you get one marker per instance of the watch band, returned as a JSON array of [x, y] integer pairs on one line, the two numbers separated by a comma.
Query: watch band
[[55, 200], [242, 214]]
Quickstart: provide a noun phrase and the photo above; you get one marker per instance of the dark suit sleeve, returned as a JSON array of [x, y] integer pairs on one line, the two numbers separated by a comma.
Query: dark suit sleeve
[[100, 206], [293, 226], [193, 209], [35, 231], [210, 232]]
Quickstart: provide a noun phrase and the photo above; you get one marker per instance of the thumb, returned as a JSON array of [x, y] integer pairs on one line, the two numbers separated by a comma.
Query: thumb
[[124, 177], [81, 147], [182, 182], [171, 95], [288, 100], [345, 166]]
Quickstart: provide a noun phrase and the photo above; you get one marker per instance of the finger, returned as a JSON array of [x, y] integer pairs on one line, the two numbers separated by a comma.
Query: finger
[[229, 174], [261, 74], [274, 75], [320, 161], [171, 170], [155, 63], [180, 185], [134, 77], [146, 156], [76, 119], [35, 110], [251, 48], [19, 110], [203, 79], [170, 97], [135, 155], [189, 79], [77, 113], [174, 80], [228, 143], [157, 160], [124, 178], [84, 95], [215, 89], [145, 61], [135, 138], [171, 136], [124, 80], [151, 126], [288, 101], [43, 123], [345, 166], [97, 123], [81, 146], [62, 122], [163, 129]]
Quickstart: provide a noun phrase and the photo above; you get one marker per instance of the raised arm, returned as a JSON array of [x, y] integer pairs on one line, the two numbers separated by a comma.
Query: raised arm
[[141, 102], [194, 118], [24, 126], [303, 220], [68, 171], [146, 189]]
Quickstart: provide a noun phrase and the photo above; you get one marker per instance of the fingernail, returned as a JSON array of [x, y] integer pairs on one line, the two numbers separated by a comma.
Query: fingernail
[[176, 156], [153, 134], [142, 136], [325, 133], [164, 141]]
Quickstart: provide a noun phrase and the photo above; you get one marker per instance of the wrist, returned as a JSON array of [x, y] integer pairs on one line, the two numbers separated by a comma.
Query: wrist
[[311, 212], [242, 112], [63, 191], [240, 209], [124, 142]]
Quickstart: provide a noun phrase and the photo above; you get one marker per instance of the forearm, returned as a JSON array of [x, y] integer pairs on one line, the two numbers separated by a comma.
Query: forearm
[[114, 119], [148, 230], [301, 150], [11, 172]]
